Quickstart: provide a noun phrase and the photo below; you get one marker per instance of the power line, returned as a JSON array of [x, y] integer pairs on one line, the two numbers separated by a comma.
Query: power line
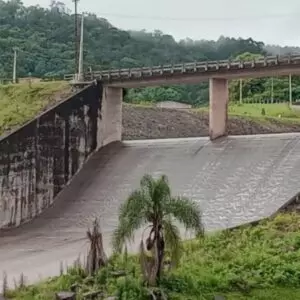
[[203, 19]]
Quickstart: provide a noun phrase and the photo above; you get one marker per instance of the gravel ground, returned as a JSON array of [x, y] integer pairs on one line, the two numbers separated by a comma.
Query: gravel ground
[[151, 123]]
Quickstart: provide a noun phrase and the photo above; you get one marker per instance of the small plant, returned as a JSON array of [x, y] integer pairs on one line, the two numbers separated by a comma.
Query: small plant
[[61, 268], [4, 284], [263, 111], [22, 281]]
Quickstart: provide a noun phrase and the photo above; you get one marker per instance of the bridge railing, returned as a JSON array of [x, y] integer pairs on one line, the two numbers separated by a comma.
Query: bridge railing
[[69, 77], [192, 68]]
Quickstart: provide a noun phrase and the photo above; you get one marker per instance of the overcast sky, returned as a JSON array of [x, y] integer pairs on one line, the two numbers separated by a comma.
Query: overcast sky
[[272, 21]]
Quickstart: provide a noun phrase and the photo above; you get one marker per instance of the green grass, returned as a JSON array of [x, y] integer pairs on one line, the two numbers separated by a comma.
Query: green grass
[[253, 262], [20, 103], [280, 113], [277, 110]]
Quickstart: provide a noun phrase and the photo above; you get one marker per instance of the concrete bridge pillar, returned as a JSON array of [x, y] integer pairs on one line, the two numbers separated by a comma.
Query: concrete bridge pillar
[[110, 122], [218, 106]]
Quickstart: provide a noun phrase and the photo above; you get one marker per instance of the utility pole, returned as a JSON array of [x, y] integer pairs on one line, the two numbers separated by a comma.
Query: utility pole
[[290, 89], [15, 65], [80, 62], [272, 89], [241, 91], [76, 37]]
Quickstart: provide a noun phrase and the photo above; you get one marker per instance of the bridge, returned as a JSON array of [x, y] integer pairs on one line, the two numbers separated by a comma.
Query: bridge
[[195, 72], [217, 72]]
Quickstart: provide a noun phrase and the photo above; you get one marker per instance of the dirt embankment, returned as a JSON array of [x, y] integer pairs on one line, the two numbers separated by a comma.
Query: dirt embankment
[[151, 123]]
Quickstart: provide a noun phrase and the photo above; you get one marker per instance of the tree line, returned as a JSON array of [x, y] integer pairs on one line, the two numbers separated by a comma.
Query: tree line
[[45, 41]]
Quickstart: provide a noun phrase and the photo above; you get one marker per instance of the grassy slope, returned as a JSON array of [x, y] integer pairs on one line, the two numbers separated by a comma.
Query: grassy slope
[[279, 112], [261, 262], [254, 262], [21, 103], [276, 110]]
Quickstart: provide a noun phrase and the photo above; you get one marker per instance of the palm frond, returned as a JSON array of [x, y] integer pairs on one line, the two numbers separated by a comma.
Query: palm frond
[[172, 240], [187, 213], [147, 186], [162, 192], [133, 214], [135, 205], [119, 236]]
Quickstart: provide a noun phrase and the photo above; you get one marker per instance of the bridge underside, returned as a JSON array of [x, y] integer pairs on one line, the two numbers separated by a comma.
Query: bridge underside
[[234, 181]]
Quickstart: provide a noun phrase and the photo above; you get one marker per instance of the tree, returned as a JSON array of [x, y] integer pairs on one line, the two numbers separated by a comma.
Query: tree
[[250, 86], [45, 38], [153, 207]]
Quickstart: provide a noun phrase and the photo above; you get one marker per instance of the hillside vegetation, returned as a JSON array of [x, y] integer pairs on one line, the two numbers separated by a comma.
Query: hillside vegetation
[[22, 102], [254, 262], [45, 41]]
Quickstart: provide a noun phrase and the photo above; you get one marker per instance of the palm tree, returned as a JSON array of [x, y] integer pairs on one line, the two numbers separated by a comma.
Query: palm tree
[[153, 207]]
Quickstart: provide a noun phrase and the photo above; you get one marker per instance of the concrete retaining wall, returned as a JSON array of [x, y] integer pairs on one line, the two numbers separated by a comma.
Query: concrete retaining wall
[[39, 159]]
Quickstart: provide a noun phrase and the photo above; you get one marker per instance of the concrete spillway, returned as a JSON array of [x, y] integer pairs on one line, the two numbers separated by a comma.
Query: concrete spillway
[[235, 180]]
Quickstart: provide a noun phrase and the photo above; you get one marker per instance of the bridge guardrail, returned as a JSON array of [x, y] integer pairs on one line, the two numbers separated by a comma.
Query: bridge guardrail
[[192, 67], [69, 77]]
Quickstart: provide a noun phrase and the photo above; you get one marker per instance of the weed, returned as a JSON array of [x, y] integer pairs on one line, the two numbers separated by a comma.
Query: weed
[[252, 262]]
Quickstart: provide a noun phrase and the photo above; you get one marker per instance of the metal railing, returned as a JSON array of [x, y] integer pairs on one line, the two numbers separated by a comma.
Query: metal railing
[[188, 68]]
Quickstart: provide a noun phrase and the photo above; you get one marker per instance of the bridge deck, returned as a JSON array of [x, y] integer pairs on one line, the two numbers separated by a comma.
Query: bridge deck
[[236, 180], [194, 72]]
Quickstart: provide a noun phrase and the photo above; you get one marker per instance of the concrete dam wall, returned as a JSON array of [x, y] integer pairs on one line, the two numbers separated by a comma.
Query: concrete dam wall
[[40, 158]]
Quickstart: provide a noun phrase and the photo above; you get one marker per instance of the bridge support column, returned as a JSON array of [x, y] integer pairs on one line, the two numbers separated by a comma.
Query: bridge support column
[[218, 106], [110, 123]]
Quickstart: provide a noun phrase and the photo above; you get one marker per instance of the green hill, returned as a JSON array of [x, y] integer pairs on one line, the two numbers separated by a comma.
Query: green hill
[[45, 42], [45, 39]]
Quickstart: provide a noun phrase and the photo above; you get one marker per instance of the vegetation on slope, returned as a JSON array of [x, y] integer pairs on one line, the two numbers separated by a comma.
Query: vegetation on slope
[[45, 41], [264, 90], [276, 110], [259, 262], [45, 38], [22, 102]]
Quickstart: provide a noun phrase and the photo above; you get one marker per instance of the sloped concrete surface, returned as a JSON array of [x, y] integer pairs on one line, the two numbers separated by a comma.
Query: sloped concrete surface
[[234, 180]]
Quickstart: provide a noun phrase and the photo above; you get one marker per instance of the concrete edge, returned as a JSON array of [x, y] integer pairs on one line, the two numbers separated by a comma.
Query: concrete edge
[[196, 139], [273, 215]]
